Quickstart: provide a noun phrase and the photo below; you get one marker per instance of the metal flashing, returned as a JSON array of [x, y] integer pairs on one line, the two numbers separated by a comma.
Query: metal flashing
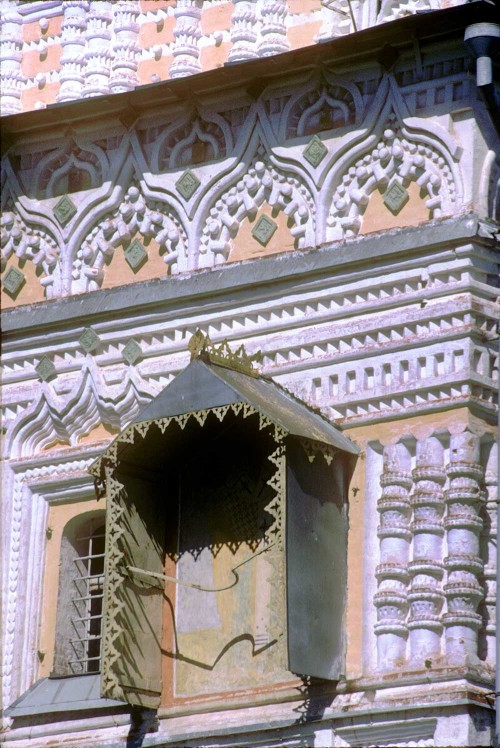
[[49, 695]]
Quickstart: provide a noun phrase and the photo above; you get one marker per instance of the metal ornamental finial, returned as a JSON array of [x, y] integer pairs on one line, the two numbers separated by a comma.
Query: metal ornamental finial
[[200, 346]]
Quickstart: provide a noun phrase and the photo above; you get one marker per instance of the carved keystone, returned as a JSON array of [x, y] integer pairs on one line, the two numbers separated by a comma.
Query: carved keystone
[[315, 151], [187, 184], [89, 340], [45, 368], [135, 254], [65, 210], [132, 352], [264, 229], [13, 280], [395, 197]]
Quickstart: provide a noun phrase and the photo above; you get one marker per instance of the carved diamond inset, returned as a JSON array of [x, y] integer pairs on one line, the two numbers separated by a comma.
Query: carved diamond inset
[[264, 229], [315, 151], [395, 197], [45, 368], [132, 352], [187, 184], [13, 280], [89, 340], [65, 210], [135, 254]]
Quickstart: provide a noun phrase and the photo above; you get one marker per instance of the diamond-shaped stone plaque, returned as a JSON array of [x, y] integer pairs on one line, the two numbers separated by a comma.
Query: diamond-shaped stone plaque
[[13, 280], [187, 184], [315, 151], [264, 229], [395, 197], [132, 352], [65, 210], [135, 254], [45, 368], [89, 340]]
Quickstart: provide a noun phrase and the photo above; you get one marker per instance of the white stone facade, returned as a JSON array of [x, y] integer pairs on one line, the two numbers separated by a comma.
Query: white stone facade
[[391, 331]]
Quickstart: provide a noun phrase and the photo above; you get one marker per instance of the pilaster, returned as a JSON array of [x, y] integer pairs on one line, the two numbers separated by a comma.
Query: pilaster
[[11, 44], [274, 39], [98, 53], [187, 33], [243, 31], [463, 564], [489, 538], [426, 568], [392, 573], [125, 47], [73, 62]]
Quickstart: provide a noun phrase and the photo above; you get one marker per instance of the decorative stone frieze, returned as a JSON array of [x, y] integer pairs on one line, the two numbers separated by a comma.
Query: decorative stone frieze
[[464, 565], [273, 31], [98, 49], [263, 183], [73, 60], [393, 164], [136, 214], [125, 46], [187, 34], [489, 542], [395, 536], [243, 31], [33, 245], [11, 45], [426, 567]]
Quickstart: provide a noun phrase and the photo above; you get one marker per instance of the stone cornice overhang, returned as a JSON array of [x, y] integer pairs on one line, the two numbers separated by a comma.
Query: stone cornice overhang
[[430, 242], [255, 75]]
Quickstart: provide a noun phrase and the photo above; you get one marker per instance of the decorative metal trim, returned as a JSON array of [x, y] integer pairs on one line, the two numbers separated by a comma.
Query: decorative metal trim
[[201, 346], [103, 472]]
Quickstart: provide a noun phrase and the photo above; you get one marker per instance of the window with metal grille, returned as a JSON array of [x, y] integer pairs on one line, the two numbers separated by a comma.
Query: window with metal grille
[[79, 610]]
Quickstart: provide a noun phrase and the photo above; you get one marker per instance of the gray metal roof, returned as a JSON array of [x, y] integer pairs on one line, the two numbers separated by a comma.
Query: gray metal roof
[[72, 694], [203, 385]]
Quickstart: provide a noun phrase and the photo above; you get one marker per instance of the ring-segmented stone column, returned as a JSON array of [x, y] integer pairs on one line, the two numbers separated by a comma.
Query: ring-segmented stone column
[[392, 573], [463, 564], [426, 568]]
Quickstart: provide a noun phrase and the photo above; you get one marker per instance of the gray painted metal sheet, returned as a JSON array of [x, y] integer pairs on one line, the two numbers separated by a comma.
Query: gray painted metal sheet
[[50, 695], [202, 385]]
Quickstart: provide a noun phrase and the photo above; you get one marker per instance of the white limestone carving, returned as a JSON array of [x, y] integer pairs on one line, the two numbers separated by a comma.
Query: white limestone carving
[[426, 568], [125, 46], [175, 147], [243, 31], [73, 61], [391, 9], [68, 417], [11, 45], [396, 156], [394, 532], [263, 183], [329, 105], [31, 244], [273, 36], [339, 17], [464, 565], [98, 48], [187, 33], [135, 214], [490, 539]]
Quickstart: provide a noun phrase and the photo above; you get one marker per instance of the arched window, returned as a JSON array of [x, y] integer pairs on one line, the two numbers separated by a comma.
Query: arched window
[[79, 610]]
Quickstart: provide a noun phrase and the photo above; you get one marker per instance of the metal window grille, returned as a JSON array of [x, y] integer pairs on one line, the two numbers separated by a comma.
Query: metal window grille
[[87, 597]]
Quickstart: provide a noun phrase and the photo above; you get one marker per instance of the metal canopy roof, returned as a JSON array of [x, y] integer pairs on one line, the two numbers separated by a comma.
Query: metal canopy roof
[[50, 695], [203, 385]]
